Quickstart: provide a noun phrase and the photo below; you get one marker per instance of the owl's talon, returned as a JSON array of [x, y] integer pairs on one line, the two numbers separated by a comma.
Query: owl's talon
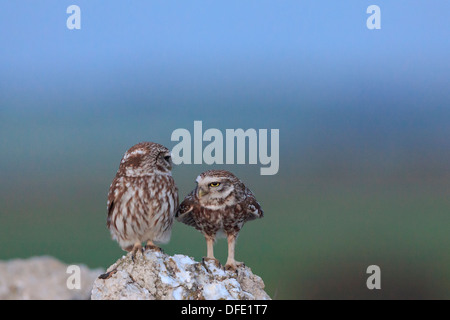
[[153, 248], [143, 253], [234, 266], [214, 260], [136, 248], [230, 267], [204, 265]]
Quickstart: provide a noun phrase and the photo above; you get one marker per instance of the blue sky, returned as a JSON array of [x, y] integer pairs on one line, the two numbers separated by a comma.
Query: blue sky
[[201, 48]]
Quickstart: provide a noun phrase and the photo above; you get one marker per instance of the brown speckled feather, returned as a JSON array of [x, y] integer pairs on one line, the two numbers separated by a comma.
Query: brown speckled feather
[[220, 205], [143, 197], [231, 211], [184, 213], [251, 206]]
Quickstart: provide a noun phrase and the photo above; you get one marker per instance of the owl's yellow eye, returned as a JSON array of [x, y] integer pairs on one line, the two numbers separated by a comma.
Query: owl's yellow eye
[[214, 184]]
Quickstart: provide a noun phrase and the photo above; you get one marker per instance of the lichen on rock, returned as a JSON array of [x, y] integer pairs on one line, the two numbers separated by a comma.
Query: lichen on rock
[[157, 276]]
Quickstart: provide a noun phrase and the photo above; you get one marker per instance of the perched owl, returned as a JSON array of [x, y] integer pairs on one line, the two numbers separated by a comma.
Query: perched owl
[[142, 198], [219, 205]]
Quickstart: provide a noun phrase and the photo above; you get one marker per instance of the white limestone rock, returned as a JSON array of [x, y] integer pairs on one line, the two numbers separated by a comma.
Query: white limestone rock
[[157, 276]]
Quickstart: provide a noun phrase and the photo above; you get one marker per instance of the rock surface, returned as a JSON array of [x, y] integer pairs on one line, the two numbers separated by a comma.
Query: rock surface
[[157, 276], [43, 278]]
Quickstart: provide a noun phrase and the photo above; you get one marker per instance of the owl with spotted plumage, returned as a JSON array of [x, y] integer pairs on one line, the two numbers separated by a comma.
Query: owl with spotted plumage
[[142, 198], [219, 205]]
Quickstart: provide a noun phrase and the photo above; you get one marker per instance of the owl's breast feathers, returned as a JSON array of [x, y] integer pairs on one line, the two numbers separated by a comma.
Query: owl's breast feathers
[[138, 206]]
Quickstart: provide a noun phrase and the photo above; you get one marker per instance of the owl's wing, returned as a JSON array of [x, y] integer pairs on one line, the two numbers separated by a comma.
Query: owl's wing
[[251, 206], [110, 210], [110, 204], [184, 212]]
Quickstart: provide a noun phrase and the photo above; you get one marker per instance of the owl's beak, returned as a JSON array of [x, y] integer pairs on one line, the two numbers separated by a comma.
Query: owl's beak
[[201, 192]]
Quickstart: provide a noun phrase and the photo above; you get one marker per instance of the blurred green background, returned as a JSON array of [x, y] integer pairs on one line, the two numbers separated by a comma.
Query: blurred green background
[[364, 132]]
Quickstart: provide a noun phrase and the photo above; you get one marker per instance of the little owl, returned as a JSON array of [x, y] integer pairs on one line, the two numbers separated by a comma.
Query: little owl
[[142, 198], [220, 204]]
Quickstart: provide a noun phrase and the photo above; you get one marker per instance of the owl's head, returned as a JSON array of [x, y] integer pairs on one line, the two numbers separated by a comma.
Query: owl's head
[[146, 158], [217, 188]]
